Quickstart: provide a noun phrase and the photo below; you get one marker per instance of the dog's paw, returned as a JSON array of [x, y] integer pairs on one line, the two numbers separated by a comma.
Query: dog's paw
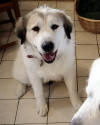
[[21, 89], [42, 110]]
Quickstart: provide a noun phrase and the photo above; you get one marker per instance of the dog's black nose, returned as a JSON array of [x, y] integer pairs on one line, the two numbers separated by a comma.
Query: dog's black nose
[[47, 46]]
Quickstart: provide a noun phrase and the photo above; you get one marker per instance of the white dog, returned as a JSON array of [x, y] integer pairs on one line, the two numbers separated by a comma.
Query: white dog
[[89, 113], [46, 53]]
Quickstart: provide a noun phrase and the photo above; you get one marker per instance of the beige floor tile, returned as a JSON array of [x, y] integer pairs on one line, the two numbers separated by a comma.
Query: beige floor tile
[[98, 38], [6, 69], [76, 17], [82, 83], [85, 38], [78, 27], [7, 111], [87, 51], [70, 13], [68, 5], [60, 110], [30, 93], [4, 37], [8, 88], [99, 49], [58, 90], [27, 112], [6, 27], [24, 12], [28, 5], [30, 124], [48, 3], [83, 67], [10, 53]]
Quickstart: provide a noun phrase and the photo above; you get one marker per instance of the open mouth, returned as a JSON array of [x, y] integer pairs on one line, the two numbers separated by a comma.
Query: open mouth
[[49, 57]]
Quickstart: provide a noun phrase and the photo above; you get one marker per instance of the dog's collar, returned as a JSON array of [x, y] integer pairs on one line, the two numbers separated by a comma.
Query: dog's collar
[[31, 56]]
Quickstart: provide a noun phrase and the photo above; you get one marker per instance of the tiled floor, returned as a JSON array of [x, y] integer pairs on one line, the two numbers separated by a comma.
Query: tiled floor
[[23, 111]]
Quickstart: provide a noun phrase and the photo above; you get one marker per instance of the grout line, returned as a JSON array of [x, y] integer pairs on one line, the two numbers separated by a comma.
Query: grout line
[[84, 44], [81, 30], [59, 98], [34, 99], [6, 78], [48, 102], [38, 3], [98, 45], [8, 99], [1, 50], [16, 112], [7, 124], [85, 31], [7, 60], [87, 59], [83, 76], [62, 98], [56, 4], [88, 44], [30, 124], [75, 51], [58, 123]]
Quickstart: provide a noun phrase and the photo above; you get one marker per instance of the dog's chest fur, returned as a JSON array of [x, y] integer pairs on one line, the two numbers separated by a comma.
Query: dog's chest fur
[[52, 71]]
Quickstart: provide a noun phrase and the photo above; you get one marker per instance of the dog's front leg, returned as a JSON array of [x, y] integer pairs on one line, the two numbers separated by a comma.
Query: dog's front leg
[[37, 86], [70, 81]]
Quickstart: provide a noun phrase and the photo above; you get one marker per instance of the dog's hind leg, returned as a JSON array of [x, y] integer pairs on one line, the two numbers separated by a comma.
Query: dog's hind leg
[[20, 90], [20, 74]]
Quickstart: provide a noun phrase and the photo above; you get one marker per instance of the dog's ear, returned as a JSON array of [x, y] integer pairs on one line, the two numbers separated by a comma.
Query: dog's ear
[[68, 27], [67, 24], [20, 29]]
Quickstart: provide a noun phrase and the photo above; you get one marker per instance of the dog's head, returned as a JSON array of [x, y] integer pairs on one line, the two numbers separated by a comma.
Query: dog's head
[[46, 29]]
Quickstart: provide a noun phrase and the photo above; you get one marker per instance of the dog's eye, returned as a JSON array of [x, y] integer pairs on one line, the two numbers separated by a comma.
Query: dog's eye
[[36, 29], [54, 26]]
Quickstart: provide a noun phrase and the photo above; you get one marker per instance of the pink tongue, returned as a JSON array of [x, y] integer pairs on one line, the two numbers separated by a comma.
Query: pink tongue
[[49, 56]]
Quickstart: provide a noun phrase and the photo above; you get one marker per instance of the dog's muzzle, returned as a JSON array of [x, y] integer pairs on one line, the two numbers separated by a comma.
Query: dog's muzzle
[[48, 55]]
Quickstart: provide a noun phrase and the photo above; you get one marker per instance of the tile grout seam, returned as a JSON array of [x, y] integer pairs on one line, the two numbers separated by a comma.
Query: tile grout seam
[[97, 45]]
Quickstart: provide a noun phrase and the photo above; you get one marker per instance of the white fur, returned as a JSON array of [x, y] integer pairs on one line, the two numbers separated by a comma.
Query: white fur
[[29, 71], [89, 113]]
